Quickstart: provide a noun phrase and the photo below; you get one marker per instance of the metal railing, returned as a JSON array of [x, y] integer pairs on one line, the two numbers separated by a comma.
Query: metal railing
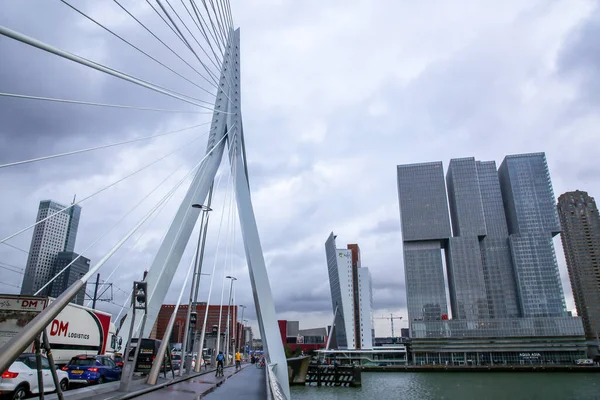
[[274, 389]]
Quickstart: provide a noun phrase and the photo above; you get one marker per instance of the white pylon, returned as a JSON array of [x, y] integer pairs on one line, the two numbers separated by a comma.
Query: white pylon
[[227, 119]]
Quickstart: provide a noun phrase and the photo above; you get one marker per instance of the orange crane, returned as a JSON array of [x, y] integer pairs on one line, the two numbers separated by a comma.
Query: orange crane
[[391, 318]]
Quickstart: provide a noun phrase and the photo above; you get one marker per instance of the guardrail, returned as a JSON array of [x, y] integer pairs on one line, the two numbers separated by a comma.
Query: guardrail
[[274, 389]]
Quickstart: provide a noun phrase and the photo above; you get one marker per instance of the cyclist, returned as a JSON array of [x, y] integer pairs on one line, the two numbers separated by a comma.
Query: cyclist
[[220, 359], [238, 361]]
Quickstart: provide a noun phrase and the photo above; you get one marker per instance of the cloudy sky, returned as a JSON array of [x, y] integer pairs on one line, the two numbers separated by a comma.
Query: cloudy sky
[[334, 95]]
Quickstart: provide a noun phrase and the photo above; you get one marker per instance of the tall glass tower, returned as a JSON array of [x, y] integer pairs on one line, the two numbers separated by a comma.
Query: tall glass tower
[[532, 223], [425, 230]]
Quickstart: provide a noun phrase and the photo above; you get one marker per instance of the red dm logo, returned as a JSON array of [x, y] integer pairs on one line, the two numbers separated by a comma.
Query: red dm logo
[[59, 328]]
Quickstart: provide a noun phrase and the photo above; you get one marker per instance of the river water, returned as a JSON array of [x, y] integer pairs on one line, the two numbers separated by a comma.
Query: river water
[[461, 386]]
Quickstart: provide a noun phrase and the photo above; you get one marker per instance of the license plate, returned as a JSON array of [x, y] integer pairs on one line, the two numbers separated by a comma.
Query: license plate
[[77, 371]]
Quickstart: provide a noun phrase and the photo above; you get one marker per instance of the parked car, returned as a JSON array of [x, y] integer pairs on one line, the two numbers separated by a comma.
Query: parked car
[[90, 369], [176, 361], [21, 380], [118, 359]]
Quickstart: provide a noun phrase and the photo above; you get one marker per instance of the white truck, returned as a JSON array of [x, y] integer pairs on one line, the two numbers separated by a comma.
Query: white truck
[[75, 330]]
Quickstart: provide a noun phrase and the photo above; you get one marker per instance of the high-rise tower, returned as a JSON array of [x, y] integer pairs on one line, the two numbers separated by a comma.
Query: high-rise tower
[[425, 229], [532, 223], [50, 237], [351, 296], [580, 236]]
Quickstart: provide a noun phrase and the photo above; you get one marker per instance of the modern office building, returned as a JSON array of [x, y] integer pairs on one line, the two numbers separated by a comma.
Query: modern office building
[[532, 223], [50, 237], [425, 230], [504, 288], [79, 267], [351, 296], [580, 236]]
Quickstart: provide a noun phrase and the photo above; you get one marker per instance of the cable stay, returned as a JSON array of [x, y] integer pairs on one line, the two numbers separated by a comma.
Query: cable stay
[[88, 103], [69, 153], [214, 60], [159, 39], [194, 37], [111, 228], [202, 24], [12, 270], [101, 190], [137, 48], [99, 67], [130, 250], [117, 246], [215, 82]]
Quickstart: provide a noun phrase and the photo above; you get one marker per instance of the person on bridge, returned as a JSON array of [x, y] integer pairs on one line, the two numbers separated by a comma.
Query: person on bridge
[[238, 361], [220, 359]]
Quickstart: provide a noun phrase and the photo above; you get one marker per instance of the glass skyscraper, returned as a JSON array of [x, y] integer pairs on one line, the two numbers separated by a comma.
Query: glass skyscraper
[[425, 229], [532, 223], [500, 259], [56, 234]]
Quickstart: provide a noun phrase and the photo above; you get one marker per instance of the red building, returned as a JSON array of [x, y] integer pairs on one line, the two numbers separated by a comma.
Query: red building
[[166, 310], [303, 339]]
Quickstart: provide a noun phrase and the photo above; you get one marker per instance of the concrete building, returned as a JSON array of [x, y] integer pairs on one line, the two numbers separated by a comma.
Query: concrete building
[[580, 236], [79, 268], [351, 296], [54, 235], [502, 275]]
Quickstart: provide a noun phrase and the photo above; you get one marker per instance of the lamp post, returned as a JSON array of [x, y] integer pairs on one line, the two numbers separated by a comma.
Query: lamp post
[[187, 361], [241, 342], [245, 322], [227, 335]]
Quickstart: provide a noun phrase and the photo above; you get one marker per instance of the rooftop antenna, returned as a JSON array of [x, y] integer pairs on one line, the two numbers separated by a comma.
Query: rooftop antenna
[[74, 196]]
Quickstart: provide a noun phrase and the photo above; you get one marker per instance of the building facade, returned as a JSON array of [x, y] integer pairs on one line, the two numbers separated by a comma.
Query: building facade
[[502, 274], [350, 283], [54, 235], [79, 267], [580, 236], [532, 223], [212, 323], [426, 230]]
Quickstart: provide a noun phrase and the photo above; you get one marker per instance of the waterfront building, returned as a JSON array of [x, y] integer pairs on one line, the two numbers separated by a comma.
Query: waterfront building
[[580, 236], [532, 223], [505, 293], [50, 237], [305, 340], [425, 227], [351, 296], [79, 267]]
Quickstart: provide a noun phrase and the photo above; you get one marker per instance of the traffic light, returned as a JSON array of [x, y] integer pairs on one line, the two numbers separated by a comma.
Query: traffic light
[[140, 291], [193, 318]]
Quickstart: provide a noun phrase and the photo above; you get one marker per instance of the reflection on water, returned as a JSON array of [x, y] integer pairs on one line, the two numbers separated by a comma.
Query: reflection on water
[[462, 385]]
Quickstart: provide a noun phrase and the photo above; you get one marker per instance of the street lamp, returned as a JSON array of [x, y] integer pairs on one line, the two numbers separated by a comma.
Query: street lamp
[[187, 361], [245, 324], [227, 337]]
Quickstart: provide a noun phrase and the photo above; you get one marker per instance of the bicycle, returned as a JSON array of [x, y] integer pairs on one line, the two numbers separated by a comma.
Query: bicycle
[[219, 370], [260, 364]]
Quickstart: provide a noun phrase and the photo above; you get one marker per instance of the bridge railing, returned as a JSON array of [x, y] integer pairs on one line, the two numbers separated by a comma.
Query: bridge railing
[[274, 389]]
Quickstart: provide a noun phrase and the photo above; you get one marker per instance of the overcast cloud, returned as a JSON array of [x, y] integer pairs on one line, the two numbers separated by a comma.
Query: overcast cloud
[[335, 95]]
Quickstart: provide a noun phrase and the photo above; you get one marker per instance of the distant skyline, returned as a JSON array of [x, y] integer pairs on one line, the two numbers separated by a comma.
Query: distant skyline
[[331, 106]]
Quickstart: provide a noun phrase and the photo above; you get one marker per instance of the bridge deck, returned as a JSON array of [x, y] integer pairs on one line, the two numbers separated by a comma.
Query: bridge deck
[[249, 383]]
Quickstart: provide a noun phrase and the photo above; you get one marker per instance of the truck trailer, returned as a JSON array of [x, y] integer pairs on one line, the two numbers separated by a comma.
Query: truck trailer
[[75, 330]]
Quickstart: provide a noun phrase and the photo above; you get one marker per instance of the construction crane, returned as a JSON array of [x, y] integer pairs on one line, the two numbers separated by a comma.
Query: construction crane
[[391, 318]]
